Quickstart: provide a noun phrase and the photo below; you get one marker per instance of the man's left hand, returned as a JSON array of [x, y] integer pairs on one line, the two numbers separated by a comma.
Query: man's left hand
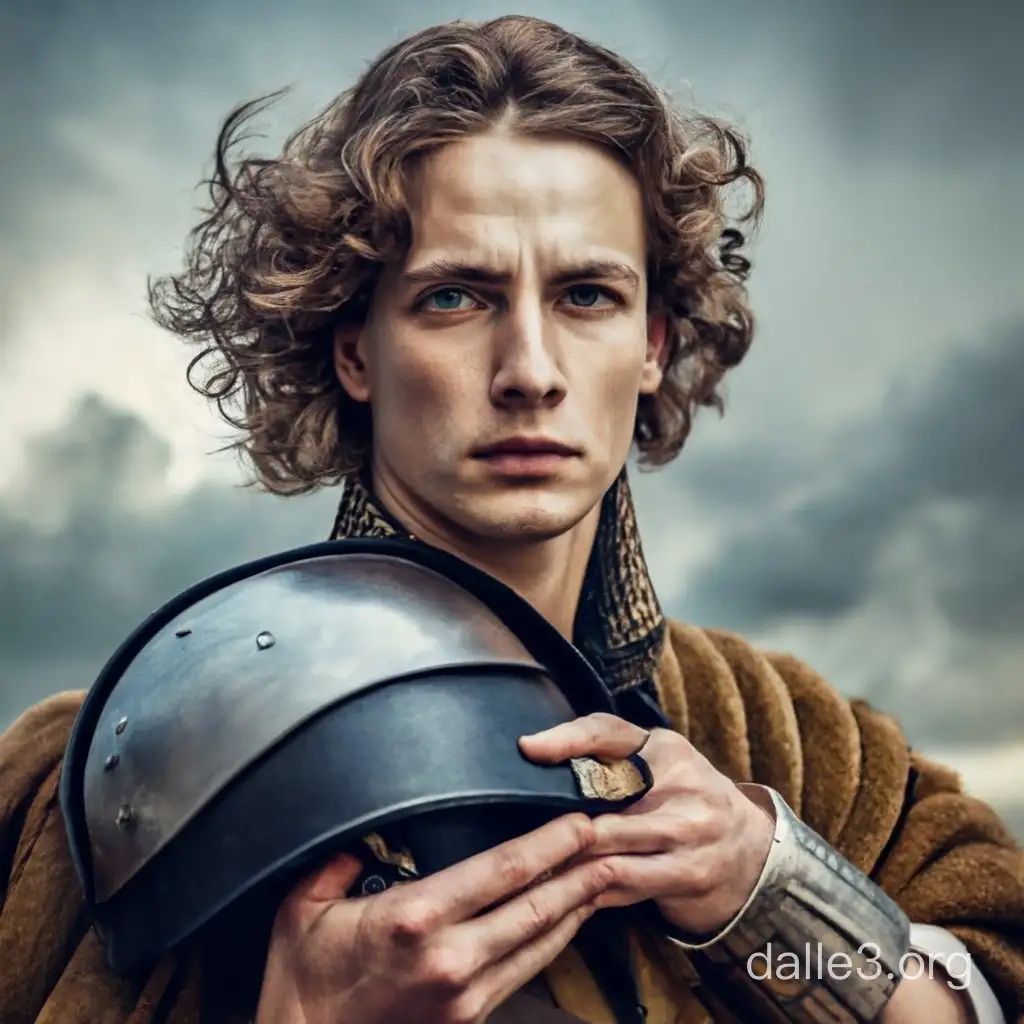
[[694, 844]]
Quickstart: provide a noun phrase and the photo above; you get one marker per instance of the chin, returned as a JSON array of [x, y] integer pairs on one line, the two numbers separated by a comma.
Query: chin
[[527, 514]]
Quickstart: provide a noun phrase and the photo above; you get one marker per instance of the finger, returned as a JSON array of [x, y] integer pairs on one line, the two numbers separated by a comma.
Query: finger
[[312, 900], [500, 932], [622, 836], [600, 735], [331, 882], [663, 825], [635, 834], [509, 975], [464, 889], [650, 877]]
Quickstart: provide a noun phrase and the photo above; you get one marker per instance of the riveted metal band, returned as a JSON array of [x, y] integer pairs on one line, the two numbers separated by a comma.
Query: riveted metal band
[[817, 936]]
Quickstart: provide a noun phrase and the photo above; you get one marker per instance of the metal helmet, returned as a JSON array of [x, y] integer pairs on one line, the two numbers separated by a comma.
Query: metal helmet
[[275, 714]]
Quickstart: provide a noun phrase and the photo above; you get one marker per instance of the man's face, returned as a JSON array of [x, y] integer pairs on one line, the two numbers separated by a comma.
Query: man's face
[[504, 359]]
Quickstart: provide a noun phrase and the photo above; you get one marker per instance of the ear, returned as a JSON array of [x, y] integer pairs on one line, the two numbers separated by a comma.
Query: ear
[[657, 346], [350, 361]]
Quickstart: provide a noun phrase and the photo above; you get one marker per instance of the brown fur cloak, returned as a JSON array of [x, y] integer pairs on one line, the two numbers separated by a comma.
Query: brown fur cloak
[[845, 769]]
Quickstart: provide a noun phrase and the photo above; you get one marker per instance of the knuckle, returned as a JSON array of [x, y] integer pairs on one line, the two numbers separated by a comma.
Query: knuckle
[[411, 921], [708, 823], [676, 830], [674, 741], [602, 874], [599, 724], [703, 878], [446, 969], [536, 913], [514, 864], [582, 829]]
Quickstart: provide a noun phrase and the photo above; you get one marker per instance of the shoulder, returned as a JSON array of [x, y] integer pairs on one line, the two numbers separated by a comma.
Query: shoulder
[[59, 710], [714, 666], [753, 709], [31, 751], [40, 902], [769, 717], [34, 743], [765, 716]]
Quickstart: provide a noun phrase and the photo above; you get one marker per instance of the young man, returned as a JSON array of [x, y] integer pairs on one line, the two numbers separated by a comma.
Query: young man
[[466, 292]]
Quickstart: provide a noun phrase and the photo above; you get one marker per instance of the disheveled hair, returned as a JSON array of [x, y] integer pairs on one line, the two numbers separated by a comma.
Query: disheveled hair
[[292, 245]]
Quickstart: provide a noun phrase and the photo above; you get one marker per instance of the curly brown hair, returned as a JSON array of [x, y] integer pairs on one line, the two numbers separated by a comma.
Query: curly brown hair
[[292, 245]]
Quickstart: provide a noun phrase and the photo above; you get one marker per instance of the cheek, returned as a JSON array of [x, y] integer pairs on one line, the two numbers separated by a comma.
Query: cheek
[[410, 382], [420, 400], [612, 387]]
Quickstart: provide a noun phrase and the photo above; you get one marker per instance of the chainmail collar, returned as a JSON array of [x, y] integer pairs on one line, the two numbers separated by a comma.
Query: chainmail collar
[[619, 624]]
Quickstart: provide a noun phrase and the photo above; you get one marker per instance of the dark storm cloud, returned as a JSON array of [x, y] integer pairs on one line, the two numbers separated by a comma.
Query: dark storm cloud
[[87, 555], [941, 457]]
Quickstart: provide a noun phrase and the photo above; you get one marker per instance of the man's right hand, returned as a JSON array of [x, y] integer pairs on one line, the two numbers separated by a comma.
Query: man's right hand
[[447, 949]]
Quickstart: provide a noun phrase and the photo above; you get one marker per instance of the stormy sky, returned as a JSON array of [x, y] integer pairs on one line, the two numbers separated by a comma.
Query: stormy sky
[[861, 503]]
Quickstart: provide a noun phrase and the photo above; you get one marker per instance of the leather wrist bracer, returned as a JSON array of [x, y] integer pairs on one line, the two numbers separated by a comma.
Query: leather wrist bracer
[[816, 936]]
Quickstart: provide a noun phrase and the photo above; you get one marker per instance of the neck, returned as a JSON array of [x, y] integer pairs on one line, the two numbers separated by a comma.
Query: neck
[[618, 622], [547, 572]]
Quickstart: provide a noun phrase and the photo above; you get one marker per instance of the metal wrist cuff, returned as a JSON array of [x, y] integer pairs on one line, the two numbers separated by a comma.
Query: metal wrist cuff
[[817, 936]]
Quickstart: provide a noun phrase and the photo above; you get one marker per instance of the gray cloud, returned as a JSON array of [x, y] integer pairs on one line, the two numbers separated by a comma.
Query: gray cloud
[[940, 457]]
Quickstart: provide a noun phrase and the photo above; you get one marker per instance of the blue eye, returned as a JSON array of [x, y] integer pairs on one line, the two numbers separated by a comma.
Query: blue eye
[[586, 295], [446, 300]]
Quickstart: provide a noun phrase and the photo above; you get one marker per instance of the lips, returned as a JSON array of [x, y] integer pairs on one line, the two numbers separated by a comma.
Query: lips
[[525, 447]]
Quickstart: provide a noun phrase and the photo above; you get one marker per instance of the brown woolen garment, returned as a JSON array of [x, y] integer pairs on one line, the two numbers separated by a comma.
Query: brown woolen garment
[[944, 856]]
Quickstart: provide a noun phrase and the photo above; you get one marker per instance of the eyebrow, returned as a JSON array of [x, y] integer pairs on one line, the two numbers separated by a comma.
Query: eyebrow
[[471, 273]]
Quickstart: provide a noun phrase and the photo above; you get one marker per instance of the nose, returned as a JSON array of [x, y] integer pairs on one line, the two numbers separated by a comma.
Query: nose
[[528, 374]]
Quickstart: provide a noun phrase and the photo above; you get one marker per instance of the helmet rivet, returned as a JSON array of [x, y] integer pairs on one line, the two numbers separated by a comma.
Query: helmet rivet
[[111, 763], [373, 884], [121, 726], [265, 639], [124, 817]]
